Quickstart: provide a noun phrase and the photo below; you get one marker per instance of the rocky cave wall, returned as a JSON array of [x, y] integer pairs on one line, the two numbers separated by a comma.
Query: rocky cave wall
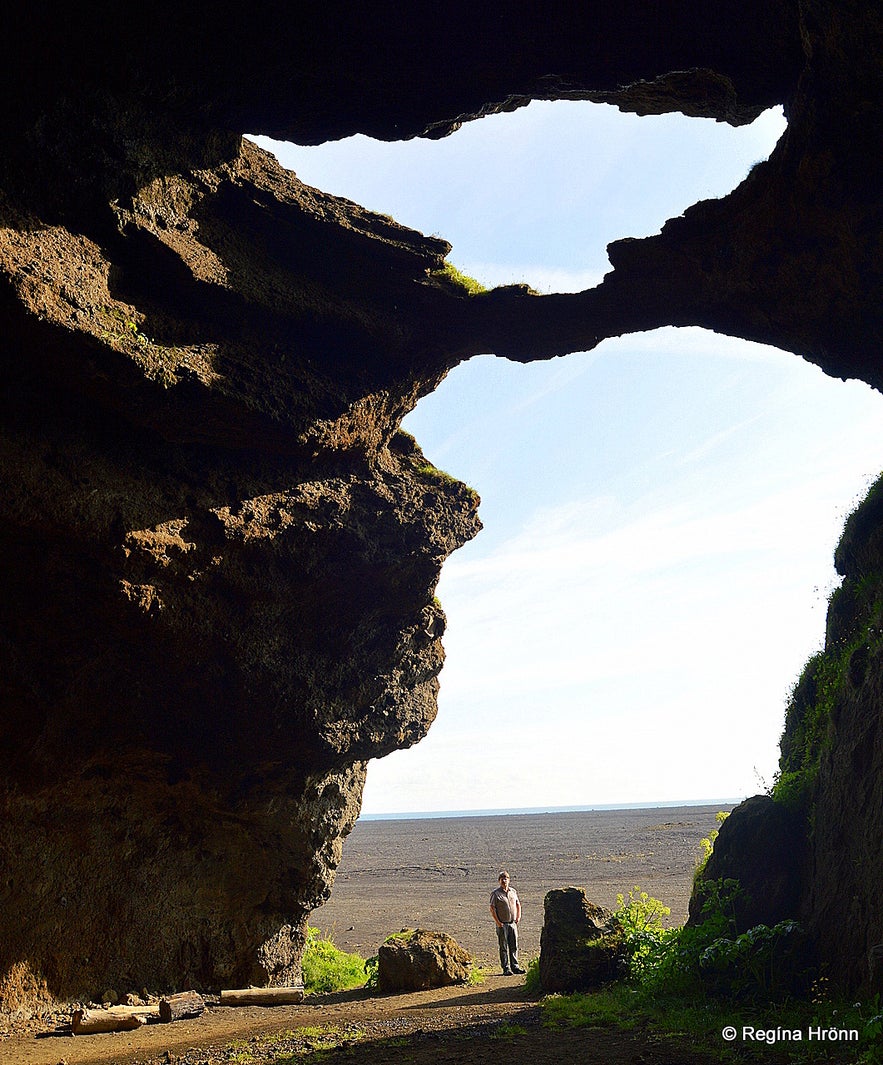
[[220, 553]]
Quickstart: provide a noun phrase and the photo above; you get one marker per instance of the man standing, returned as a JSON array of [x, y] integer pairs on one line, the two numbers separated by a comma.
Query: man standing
[[506, 912]]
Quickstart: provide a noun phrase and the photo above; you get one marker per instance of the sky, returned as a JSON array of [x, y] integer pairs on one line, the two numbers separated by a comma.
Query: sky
[[660, 514]]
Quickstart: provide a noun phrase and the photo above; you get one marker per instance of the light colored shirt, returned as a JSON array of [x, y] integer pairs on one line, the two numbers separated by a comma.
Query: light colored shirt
[[505, 905]]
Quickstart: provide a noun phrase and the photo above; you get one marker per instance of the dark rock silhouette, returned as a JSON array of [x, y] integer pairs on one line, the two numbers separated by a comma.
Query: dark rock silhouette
[[762, 844]]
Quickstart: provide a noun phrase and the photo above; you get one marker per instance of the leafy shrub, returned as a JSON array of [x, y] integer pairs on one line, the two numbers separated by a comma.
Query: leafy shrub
[[327, 968], [762, 963], [639, 917], [707, 843], [372, 966], [667, 960]]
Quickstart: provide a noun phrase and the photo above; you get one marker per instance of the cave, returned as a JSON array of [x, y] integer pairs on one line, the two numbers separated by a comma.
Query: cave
[[221, 552]]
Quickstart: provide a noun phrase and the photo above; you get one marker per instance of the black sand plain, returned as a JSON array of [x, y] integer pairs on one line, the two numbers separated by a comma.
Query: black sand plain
[[438, 873]]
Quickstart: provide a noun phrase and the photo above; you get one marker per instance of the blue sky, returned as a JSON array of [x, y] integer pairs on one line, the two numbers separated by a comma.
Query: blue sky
[[660, 513]]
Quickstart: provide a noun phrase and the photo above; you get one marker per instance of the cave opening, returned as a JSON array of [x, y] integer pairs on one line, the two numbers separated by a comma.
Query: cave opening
[[659, 514]]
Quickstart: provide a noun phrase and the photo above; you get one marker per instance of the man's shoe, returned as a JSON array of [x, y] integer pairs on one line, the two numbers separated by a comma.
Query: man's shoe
[[507, 972], [520, 972]]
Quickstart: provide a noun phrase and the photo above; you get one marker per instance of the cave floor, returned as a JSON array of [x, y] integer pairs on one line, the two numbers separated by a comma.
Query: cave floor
[[481, 1023]]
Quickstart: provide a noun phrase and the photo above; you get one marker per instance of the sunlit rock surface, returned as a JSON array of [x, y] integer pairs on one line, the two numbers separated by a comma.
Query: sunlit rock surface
[[219, 553]]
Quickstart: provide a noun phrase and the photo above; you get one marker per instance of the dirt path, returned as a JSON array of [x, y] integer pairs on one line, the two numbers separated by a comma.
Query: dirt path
[[478, 1024]]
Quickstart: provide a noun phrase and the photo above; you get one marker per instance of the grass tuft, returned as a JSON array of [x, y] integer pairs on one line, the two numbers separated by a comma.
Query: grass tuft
[[455, 279], [327, 968]]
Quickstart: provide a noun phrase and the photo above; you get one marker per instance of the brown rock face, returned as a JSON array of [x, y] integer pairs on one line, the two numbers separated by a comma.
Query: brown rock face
[[219, 553], [219, 565]]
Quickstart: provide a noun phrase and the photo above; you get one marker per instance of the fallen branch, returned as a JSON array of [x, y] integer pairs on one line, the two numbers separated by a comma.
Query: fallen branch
[[263, 996], [111, 1019], [178, 1007]]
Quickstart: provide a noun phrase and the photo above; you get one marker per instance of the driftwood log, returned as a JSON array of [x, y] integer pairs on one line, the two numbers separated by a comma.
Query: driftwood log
[[263, 996], [111, 1019], [178, 1007]]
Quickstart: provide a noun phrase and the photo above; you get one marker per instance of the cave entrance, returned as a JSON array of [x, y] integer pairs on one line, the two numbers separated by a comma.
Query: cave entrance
[[660, 514]]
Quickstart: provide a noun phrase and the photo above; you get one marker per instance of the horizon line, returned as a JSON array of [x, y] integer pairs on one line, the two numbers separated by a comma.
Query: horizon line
[[419, 815]]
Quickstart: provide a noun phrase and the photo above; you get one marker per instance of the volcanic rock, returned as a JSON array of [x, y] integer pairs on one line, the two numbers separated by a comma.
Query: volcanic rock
[[419, 959], [580, 946], [762, 845]]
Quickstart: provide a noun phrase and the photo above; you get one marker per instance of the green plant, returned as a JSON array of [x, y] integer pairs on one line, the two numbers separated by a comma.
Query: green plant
[[506, 1030], [639, 912], [455, 279], [327, 968], [120, 328], [707, 843], [532, 977], [611, 1006], [762, 963], [639, 917], [158, 361], [668, 960], [440, 477], [854, 637]]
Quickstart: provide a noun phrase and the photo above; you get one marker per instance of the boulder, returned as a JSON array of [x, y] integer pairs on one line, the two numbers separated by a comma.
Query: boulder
[[761, 844], [580, 946], [417, 960]]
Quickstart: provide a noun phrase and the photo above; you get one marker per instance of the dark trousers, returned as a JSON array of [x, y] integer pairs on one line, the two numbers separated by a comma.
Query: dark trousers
[[507, 934]]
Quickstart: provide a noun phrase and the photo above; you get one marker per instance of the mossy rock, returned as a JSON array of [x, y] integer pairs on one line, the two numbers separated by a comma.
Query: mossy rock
[[417, 959], [580, 946]]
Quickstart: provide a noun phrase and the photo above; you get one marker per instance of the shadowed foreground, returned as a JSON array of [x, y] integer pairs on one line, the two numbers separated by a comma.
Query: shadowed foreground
[[464, 1024]]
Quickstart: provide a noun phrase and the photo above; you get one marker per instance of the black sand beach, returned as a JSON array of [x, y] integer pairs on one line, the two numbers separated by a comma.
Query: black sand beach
[[438, 873]]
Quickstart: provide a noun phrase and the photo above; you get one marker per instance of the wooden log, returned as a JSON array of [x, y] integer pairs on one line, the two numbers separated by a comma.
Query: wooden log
[[110, 1019], [263, 996], [177, 1007]]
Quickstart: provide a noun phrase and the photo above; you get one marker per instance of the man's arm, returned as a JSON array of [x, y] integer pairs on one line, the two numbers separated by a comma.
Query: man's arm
[[497, 920], [517, 909]]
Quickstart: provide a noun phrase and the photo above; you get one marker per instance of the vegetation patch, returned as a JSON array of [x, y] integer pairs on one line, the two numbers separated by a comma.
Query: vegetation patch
[[707, 845], [452, 278], [506, 1031], [445, 480], [695, 983], [855, 613], [327, 968], [854, 636], [297, 1045]]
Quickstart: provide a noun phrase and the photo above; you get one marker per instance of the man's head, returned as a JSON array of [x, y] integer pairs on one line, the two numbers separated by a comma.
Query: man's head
[[504, 879]]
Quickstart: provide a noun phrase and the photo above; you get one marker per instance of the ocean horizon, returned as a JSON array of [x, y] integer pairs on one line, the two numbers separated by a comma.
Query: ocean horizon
[[422, 815]]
